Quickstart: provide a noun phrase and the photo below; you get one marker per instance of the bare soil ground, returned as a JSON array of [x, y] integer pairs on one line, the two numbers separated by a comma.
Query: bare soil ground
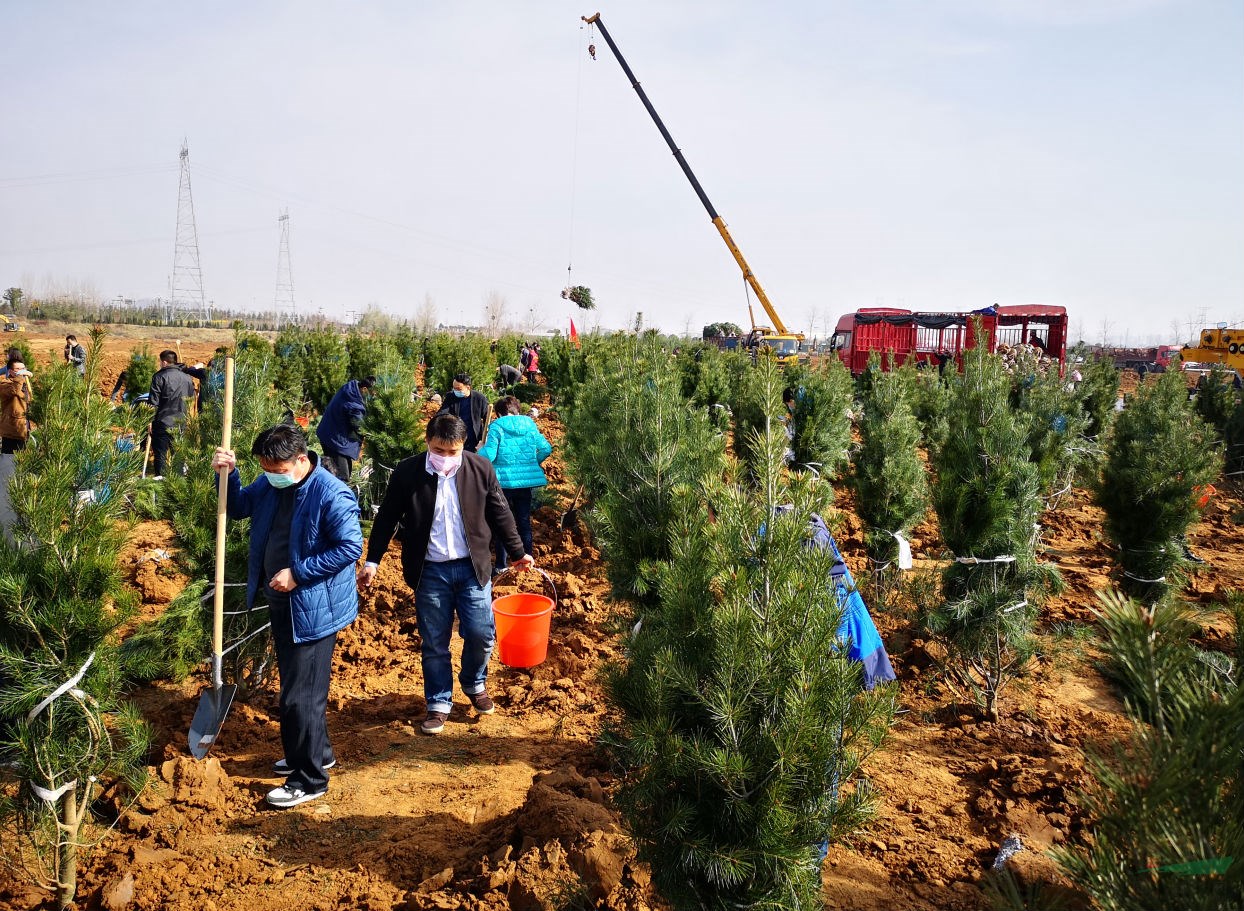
[[513, 810]]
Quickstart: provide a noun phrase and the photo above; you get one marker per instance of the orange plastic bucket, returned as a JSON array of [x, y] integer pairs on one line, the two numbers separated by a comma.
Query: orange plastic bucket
[[523, 623]]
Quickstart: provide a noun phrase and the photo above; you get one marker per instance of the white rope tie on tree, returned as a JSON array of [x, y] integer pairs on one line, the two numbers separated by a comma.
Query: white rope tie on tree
[[1139, 579], [61, 690], [70, 686], [1015, 607], [973, 561]]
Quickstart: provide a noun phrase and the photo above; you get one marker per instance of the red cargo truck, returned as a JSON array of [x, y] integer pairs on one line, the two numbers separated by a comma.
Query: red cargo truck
[[934, 338]]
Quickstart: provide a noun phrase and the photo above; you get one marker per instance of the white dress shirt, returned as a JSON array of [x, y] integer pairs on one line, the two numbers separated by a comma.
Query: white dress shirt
[[447, 540]]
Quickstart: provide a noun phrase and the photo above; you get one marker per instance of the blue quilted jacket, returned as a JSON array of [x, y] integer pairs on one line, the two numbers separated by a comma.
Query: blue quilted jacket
[[325, 542], [516, 447]]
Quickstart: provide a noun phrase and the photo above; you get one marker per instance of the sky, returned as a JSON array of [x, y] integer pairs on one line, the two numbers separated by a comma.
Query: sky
[[926, 154]]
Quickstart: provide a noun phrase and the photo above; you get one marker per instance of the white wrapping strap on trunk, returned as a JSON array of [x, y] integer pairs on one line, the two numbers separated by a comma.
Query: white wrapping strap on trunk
[[61, 690], [69, 686], [973, 561]]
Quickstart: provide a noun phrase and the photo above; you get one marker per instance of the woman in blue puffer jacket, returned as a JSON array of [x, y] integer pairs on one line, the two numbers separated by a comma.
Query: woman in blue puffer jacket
[[516, 448]]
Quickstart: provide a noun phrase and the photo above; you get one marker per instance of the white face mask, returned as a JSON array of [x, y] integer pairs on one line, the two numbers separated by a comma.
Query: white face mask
[[444, 465]]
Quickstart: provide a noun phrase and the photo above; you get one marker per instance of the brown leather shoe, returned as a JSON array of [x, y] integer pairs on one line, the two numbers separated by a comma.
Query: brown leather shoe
[[483, 703], [434, 723]]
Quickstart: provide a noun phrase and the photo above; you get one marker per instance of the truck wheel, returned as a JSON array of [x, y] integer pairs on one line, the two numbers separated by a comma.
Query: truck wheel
[[1233, 348]]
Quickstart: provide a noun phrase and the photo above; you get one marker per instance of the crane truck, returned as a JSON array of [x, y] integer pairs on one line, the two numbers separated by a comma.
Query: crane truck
[[783, 344], [1220, 345]]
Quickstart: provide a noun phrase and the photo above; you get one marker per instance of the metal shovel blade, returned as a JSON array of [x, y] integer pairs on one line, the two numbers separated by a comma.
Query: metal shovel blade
[[209, 717]]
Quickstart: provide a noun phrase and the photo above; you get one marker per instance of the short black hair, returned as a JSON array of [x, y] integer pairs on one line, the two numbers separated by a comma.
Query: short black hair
[[15, 357], [14, 353], [447, 427], [71, 338], [281, 443], [507, 404], [168, 356], [367, 382], [463, 378], [222, 350], [788, 394]]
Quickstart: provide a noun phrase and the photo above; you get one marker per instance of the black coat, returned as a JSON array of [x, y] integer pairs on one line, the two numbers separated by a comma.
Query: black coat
[[170, 389], [479, 413], [411, 499]]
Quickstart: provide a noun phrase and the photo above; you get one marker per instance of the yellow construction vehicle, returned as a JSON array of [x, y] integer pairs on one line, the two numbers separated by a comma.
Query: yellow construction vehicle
[[784, 345], [1220, 345], [10, 324]]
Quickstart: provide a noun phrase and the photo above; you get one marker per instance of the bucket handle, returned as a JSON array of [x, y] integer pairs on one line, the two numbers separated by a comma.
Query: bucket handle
[[547, 578]]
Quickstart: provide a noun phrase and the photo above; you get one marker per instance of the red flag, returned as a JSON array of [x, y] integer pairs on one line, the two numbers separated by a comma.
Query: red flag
[[574, 334]]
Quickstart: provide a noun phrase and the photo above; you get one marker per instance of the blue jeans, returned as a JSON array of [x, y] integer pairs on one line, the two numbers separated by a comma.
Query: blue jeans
[[519, 499], [446, 588]]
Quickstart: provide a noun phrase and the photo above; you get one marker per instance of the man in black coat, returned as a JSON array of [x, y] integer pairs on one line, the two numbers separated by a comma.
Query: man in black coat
[[450, 506], [471, 407], [170, 390]]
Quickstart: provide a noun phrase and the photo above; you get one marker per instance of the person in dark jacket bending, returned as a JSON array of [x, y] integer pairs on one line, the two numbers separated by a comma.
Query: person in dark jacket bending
[[450, 506], [338, 430], [170, 390], [305, 540], [471, 407]]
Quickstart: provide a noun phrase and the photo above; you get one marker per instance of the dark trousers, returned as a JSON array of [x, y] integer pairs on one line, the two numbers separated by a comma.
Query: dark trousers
[[11, 445], [305, 672], [519, 499], [338, 466], [161, 443]]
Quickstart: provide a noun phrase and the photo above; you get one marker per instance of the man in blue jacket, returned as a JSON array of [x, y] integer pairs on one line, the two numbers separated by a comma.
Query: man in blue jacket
[[305, 539], [338, 430]]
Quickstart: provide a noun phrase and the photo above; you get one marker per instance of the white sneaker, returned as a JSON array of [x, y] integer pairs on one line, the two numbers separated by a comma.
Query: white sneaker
[[285, 796], [281, 767]]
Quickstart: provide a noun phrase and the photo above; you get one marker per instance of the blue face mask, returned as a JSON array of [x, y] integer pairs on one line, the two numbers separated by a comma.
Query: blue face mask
[[279, 479], [461, 393]]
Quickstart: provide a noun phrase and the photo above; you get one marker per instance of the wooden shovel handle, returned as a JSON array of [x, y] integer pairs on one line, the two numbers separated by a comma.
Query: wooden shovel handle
[[222, 502]]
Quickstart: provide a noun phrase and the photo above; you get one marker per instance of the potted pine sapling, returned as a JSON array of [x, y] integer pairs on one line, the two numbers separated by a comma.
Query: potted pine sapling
[[743, 726], [987, 496], [890, 481], [68, 731], [1157, 458]]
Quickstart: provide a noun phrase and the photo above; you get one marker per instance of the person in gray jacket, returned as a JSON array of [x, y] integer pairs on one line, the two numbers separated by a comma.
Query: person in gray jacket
[[170, 390]]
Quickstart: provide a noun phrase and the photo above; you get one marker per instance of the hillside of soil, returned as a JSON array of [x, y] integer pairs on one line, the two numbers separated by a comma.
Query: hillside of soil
[[513, 811]]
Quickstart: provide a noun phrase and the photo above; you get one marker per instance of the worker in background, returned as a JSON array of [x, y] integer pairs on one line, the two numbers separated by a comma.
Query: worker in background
[[14, 403], [516, 448], [471, 407], [450, 506], [508, 376], [170, 391], [339, 427], [8, 356], [211, 377], [1035, 341], [75, 354], [533, 363]]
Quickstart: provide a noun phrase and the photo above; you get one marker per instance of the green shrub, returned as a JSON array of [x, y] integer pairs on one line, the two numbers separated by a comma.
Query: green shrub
[[987, 497], [1216, 397], [822, 417], [1159, 453], [448, 356], [325, 367], [743, 726]]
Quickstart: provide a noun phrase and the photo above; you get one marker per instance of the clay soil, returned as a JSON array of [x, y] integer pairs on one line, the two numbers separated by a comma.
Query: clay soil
[[513, 810]]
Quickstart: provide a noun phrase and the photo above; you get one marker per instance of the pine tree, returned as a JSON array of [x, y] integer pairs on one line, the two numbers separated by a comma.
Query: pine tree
[[61, 601], [139, 371], [448, 356], [290, 349], [632, 442], [822, 417], [1098, 392], [325, 367], [1159, 453], [930, 396], [179, 639], [393, 430], [1216, 397], [1168, 831], [1056, 423], [987, 497], [366, 354], [743, 726], [890, 483]]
